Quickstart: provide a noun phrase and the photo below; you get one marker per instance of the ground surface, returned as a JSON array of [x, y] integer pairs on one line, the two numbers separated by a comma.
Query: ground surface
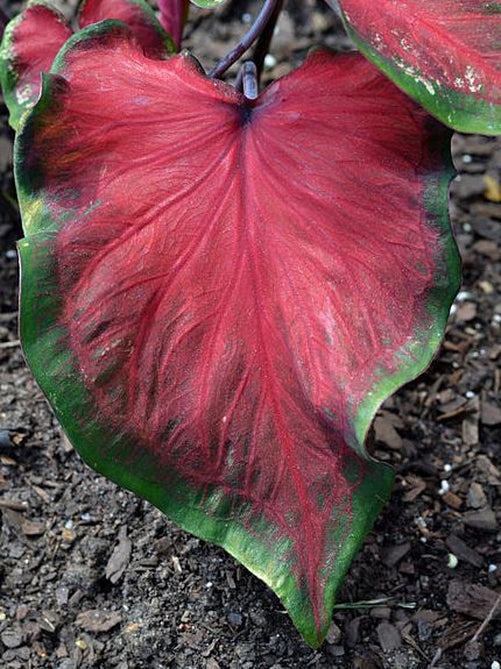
[[90, 576]]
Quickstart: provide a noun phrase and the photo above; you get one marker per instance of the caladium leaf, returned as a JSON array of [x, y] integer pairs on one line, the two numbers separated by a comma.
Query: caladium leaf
[[29, 45], [446, 54], [32, 39], [138, 15], [218, 293], [173, 15]]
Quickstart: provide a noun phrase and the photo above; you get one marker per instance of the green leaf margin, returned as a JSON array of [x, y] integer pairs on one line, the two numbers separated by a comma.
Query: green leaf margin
[[463, 113], [46, 347]]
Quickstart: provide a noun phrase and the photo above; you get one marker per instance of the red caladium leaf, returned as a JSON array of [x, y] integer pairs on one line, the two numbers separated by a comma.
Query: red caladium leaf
[[217, 294], [444, 53], [138, 15], [30, 44], [32, 39]]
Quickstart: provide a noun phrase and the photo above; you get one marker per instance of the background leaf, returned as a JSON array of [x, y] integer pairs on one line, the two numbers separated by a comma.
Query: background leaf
[[208, 3], [32, 40], [444, 53], [139, 17], [29, 45], [217, 295]]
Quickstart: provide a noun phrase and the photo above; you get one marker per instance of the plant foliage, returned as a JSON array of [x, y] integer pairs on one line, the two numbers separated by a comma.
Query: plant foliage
[[216, 323], [33, 39], [446, 54], [221, 286]]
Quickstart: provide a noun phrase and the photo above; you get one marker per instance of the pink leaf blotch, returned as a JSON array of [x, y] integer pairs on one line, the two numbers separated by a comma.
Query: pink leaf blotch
[[445, 53], [218, 294]]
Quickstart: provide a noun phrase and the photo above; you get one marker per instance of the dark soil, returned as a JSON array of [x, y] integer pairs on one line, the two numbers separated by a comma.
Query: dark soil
[[91, 576]]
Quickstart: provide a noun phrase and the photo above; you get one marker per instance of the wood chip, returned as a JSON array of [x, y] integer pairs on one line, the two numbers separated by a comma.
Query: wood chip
[[32, 528], [415, 486], [495, 352], [12, 504], [484, 519], [490, 414], [120, 557], [487, 248], [12, 637], [470, 431], [488, 470], [466, 312], [472, 600], [450, 402], [458, 632], [452, 500], [487, 228], [463, 552], [334, 634], [389, 637], [486, 209], [212, 664], [393, 554], [386, 433], [44, 496], [476, 496], [94, 620]]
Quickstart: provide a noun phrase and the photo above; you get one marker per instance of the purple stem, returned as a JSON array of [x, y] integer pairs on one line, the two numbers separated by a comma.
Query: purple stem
[[264, 41], [257, 28], [249, 80]]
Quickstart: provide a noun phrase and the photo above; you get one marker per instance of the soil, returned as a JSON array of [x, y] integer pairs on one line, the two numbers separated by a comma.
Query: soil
[[91, 576]]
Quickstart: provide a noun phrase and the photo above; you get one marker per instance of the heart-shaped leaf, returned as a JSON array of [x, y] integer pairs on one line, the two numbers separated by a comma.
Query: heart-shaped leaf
[[446, 54], [32, 39], [217, 294]]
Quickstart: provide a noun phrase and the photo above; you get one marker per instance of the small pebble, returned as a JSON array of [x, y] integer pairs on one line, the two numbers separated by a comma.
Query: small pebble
[[469, 394], [269, 61], [495, 665], [452, 561], [492, 568], [447, 468], [424, 630], [444, 487], [246, 18], [334, 634], [234, 619], [467, 159]]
